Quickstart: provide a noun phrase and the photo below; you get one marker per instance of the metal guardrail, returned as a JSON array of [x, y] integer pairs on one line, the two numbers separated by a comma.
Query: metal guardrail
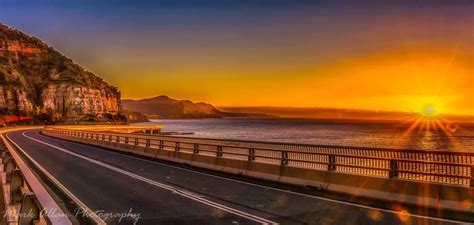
[[456, 168], [23, 199]]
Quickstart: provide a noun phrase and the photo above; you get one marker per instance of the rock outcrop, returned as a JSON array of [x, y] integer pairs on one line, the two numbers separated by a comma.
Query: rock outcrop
[[38, 81]]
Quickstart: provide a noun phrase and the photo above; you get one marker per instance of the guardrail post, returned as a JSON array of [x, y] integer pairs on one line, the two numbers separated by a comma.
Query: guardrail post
[[8, 167], [220, 153], [148, 143], [177, 147], [332, 163], [30, 208], [284, 158], [136, 141], [15, 186], [118, 139], [251, 154], [162, 145], [126, 140], [196, 149], [393, 173], [471, 181]]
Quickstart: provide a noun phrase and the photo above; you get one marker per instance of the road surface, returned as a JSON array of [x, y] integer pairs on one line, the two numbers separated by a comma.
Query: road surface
[[151, 192]]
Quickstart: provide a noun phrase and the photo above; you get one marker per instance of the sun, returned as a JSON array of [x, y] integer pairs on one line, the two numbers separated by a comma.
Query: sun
[[429, 111], [429, 107]]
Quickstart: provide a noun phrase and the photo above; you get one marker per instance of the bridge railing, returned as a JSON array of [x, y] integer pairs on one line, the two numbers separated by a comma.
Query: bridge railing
[[24, 200], [455, 168]]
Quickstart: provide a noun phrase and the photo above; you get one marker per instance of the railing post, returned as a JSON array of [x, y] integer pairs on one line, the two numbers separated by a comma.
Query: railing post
[[177, 147], [16, 184], [196, 149], [148, 143], [8, 167], [251, 154], [162, 145], [284, 158], [118, 139], [126, 140], [471, 181], [136, 141], [30, 207], [220, 153], [332, 163], [393, 173]]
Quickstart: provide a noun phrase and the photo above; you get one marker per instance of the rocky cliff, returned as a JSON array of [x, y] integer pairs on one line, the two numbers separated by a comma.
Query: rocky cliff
[[40, 82]]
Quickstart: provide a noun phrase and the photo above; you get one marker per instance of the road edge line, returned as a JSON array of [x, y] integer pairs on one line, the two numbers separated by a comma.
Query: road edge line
[[89, 211]]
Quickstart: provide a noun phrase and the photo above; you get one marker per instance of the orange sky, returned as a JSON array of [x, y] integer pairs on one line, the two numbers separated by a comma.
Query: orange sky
[[390, 55], [405, 79]]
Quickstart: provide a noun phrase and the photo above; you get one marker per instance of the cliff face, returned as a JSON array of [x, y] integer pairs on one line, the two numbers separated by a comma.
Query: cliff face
[[38, 81]]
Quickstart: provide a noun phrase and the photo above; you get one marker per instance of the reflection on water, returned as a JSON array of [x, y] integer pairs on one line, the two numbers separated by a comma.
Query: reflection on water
[[324, 132], [429, 140]]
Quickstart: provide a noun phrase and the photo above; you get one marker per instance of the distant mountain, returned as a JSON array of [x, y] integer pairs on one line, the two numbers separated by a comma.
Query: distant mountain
[[39, 82], [330, 113], [164, 107], [320, 113]]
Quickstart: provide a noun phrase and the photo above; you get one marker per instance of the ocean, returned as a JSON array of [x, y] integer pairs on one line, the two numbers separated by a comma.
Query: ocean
[[459, 137]]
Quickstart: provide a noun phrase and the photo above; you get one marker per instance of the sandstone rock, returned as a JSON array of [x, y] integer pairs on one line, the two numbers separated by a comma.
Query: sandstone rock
[[37, 80]]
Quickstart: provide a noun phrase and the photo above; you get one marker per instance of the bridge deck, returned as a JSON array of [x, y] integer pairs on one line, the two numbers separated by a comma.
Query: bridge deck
[[165, 194]]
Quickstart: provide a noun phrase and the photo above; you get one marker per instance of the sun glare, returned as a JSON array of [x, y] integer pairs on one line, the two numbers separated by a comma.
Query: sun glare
[[429, 107], [429, 111]]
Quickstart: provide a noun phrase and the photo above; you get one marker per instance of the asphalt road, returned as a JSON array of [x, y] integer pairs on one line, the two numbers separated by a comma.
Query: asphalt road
[[111, 183]]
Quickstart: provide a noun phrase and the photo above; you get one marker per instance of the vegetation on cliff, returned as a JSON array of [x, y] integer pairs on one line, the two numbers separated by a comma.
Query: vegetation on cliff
[[38, 81]]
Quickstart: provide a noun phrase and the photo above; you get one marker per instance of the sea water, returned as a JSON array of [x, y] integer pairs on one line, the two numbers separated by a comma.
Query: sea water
[[388, 134]]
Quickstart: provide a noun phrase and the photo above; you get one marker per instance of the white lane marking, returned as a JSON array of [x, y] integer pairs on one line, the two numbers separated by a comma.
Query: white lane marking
[[94, 216], [183, 193], [268, 187]]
